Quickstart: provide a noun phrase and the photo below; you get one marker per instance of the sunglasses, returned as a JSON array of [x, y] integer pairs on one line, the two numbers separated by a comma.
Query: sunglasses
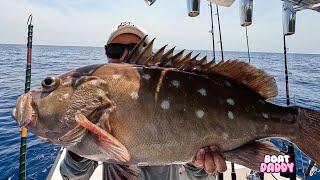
[[116, 50]]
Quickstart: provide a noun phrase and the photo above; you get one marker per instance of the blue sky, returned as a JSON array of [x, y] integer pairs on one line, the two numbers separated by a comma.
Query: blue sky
[[89, 22]]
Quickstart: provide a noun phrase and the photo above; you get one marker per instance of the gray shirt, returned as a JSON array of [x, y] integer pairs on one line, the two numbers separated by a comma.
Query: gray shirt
[[75, 167]]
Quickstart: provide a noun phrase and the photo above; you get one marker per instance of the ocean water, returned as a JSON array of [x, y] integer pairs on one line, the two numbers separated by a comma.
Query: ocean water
[[304, 78]]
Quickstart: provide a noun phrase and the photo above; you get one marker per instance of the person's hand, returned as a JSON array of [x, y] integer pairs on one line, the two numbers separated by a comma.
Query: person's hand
[[210, 160]]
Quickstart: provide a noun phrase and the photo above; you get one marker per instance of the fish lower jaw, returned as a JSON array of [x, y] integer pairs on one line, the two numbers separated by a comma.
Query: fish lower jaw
[[24, 122]]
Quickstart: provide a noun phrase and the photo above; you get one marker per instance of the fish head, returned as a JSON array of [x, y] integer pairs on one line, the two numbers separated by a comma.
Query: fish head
[[42, 110], [49, 111]]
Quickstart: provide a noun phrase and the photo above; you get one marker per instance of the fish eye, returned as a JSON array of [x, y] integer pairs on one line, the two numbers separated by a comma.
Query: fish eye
[[50, 82]]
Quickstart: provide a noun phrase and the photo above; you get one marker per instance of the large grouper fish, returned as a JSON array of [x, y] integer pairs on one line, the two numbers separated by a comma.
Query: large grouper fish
[[160, 108]]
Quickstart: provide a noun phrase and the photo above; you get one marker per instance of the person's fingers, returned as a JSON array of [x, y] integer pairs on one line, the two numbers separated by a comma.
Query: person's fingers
[[220, 162], [209, 164], [199, 159]]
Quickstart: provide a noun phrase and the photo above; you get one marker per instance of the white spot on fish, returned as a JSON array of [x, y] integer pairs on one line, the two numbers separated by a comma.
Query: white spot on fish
[[225, 136], [116, 76], [230, 115], [227, 83], [146, 77], [165, 104], [231, 101], [175, 83], [203, 92], [134, 95], [265, 115], [200, 114]]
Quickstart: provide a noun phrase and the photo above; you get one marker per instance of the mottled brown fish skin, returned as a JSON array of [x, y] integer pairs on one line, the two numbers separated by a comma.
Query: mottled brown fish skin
[[164, 116], [189, 112]]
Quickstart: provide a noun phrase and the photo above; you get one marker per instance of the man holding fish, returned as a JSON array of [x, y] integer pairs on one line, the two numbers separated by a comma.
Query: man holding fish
[[207, 160], [160, 109]]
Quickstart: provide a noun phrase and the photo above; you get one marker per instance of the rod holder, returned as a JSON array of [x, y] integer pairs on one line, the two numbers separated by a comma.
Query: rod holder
[[150, 2], [193, 7], [246, 9], [288, 18]]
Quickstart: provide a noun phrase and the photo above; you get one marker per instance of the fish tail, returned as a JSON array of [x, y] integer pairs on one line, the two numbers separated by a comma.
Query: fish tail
[[308, 139]]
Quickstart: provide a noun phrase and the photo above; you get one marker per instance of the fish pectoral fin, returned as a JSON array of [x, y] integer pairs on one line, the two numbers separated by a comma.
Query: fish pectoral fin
[[251, 155], [108, 144], [73, 136]]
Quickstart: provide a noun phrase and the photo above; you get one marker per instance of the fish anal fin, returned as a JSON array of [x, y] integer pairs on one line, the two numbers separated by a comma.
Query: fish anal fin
[[251, 155], [107, 143], [120, 171]]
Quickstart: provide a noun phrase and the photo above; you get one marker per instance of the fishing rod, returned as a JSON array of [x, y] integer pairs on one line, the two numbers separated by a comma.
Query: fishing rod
[[221, 47], [290, 148], [233, 174], [288, 22], [23, 145], [286, 69], [248, 49], [212, 34]]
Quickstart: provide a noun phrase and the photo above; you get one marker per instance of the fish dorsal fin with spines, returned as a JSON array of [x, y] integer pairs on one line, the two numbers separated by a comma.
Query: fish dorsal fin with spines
[[145, 53], [239, 71]]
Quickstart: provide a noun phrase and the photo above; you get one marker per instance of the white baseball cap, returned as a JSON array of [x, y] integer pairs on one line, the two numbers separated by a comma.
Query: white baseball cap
[[127, 28]]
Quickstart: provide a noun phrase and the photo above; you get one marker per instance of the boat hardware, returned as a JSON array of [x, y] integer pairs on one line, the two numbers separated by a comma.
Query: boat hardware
[[246, 8], [150, 2], [288, 18], [193, 7]]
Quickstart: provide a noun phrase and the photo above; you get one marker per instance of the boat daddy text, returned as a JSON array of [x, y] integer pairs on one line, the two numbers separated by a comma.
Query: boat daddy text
[[276, 164]]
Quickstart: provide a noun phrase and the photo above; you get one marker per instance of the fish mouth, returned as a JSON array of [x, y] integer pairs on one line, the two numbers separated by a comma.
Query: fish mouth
[[24, 112]]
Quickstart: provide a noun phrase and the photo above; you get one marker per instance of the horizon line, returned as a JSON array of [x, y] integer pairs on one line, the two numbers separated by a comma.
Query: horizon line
[[89, 46]]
